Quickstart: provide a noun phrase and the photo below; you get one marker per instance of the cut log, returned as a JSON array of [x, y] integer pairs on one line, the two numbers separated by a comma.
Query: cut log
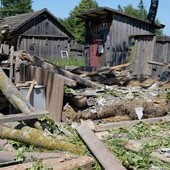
[[57, 164], [37, 138], [22, 116], [104, 156], [56, 69]]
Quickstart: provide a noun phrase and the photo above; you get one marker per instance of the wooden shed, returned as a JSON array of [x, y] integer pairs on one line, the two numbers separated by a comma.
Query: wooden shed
[[107, 34], [40, 33]]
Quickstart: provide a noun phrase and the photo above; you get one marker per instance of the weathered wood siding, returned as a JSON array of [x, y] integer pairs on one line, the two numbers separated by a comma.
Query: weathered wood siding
[[116, 36], [146, 48], [44, 47], [43, 37], [161, 54], [122, 27], [141, 51], [43, 24]]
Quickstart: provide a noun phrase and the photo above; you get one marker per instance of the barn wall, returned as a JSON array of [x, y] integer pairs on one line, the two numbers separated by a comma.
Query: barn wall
[[122, 27], [141, 51], [43, 24], [116, 40], [161, 54], [43, 37], [146, 48], [44, 48]]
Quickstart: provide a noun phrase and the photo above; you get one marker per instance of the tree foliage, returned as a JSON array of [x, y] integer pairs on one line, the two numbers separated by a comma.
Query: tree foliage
[[139, 12], [75, 25], [14, 7]]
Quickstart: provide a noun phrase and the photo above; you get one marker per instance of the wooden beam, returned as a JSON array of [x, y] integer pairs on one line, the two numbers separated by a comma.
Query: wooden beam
[[22, 116], [58, 70], [9, 156], [110, 126], [44, 36], [119, 66], [30, 90], [57, 164], [100, 151], [159, 64], [105, 69]]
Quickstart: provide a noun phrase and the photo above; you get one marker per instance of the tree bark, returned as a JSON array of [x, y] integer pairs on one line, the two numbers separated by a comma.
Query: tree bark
[[16, 98], [13, 95], [37, 138]]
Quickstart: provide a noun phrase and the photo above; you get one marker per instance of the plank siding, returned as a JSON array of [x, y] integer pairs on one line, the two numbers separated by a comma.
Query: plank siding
[[117, 46], [141, 53], [39, 33], [161, 54]]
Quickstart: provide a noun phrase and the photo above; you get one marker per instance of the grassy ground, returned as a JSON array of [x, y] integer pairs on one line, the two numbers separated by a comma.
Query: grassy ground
[[152, 138], [70, 61]]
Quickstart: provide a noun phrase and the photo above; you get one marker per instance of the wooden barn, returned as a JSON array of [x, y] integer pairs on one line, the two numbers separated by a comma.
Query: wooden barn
[[107, 33], [40, 33]]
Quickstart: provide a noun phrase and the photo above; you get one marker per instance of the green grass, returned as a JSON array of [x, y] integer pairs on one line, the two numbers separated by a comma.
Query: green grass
[[141, 160], [70, 61]]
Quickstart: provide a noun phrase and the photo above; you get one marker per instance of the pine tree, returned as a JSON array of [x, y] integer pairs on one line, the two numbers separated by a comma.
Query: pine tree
[[14, 7], [139, 12], [76, 25]]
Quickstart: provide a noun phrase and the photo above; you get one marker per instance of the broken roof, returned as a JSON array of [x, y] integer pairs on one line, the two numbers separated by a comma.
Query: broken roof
[[17, 21], [96, 12]]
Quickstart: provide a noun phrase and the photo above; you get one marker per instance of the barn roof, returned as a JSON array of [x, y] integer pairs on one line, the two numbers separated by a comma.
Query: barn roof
[[97, 12], [17, 21]]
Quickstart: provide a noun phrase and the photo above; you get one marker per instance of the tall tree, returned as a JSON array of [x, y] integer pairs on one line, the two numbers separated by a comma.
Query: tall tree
[[139, 12], [76, 25], [13, 7]]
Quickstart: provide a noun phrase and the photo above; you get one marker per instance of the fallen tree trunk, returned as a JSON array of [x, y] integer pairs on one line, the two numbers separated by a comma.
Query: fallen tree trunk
[[37, 138], [16, 98], [13, 95]]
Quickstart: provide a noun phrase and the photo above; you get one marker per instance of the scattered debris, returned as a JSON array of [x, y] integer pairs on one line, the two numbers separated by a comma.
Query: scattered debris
[[89, 100]]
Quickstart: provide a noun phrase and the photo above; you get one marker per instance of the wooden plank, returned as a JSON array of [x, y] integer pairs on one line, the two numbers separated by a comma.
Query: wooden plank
[[16, 69], [22, 116], [57, 164], [30, 90], [100, 151], [11, 62], [119, 66], [56, 100], [9, 156], [159, 64], [110, 126], [58, 70]]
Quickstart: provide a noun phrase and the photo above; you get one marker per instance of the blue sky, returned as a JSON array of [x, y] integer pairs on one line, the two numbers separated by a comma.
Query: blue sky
[[61, 9]]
